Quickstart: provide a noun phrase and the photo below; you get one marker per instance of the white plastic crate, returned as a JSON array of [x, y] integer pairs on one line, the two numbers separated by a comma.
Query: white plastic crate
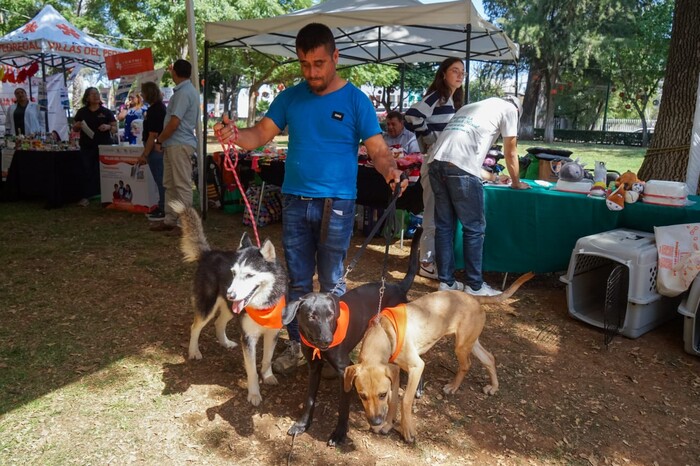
[[691, 325], [595, 260]]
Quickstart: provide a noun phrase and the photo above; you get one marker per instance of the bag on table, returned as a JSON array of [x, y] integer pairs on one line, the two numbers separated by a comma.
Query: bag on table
[[679, 257]]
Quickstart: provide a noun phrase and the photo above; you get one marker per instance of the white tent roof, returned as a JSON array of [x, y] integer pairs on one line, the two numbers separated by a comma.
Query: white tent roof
[[50, 34], [376, 31]]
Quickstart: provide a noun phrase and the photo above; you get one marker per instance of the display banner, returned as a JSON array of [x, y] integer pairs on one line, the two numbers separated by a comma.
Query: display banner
[[124, 185], [128, 63]]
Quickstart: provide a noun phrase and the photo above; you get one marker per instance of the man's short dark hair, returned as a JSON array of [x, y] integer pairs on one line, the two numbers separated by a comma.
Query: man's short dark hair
[[395, 114], [183, 68], [315, 35]]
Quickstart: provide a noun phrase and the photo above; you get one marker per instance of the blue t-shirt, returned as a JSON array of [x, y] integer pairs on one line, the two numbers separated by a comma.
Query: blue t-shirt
[[324, 136]]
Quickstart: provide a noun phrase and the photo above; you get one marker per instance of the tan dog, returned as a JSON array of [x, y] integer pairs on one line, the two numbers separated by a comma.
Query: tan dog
[[428, 319]]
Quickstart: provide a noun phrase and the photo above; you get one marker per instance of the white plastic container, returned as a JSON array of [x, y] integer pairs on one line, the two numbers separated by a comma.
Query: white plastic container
[[691, 325], [579, 187], [670, 193], [592, 262]]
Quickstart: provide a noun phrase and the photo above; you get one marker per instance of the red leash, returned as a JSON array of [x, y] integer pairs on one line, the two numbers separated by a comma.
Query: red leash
[[230, 163]]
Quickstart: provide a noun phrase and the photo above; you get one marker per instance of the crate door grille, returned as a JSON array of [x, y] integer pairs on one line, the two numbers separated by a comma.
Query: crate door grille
[[615, 302]]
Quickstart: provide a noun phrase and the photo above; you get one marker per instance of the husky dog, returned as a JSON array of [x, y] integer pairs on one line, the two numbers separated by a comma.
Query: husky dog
[[250, 280]]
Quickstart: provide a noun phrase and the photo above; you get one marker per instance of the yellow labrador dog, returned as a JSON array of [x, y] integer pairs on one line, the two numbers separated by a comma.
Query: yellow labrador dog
[[393, 343]]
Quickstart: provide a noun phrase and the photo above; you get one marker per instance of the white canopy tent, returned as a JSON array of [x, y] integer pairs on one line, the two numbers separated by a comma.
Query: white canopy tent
[[376, 31], [53, 41]]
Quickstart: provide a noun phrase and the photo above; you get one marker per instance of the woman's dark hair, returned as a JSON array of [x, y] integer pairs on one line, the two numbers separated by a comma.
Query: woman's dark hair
[[151, 92], [315, 35], [442, 88], [86, 93]]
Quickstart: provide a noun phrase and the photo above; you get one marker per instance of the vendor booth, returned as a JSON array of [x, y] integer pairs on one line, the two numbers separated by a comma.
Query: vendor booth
[[51, 40]]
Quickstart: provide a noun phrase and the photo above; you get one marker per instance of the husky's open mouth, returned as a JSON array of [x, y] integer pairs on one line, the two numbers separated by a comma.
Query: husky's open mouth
[[238, 305]]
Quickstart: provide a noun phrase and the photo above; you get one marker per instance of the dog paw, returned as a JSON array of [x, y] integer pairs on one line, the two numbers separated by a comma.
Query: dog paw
[[450, 389], [195, 355], [254, 398], [409, 435], [337, 438], [228, 344], [297, 428], [384, 429], [490, 390], [270, 380]]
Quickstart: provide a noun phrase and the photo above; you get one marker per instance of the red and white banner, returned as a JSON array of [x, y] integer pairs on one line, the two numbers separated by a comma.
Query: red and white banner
[[129, 63]]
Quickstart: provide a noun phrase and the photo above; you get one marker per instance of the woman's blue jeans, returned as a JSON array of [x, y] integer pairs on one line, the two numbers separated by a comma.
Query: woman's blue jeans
[[458, 196], [155, 163], [305, 251]]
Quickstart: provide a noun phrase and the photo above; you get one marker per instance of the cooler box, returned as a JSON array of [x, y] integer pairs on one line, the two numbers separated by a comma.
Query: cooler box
[[611, 282], [691, 325]]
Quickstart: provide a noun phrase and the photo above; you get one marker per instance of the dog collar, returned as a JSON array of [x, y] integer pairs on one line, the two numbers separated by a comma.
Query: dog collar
[[341, 330], [397, 317], [270, 317]]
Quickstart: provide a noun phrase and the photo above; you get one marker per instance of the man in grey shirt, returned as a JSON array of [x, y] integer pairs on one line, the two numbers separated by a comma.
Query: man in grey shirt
[[397, 135], [178, 142]]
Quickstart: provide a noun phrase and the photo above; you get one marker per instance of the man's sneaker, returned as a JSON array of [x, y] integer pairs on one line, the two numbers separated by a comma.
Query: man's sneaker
[[428, 270], [290, 359], [156, 216], [83, 202], [485, 290], [456, 286]]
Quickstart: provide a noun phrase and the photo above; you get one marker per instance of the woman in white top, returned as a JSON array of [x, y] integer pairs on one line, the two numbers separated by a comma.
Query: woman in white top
[[23, 117], [427, 119]]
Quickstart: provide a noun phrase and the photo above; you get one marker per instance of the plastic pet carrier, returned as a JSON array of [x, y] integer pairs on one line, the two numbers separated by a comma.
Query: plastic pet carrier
[[611, 283]]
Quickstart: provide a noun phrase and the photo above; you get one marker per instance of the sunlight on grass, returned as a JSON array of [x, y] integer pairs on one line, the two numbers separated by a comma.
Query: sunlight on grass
[[619, 158]]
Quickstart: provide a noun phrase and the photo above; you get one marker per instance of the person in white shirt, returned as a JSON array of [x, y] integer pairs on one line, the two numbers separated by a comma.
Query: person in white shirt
[[397, 135], [23, 117], [455, 178], [428, 119]]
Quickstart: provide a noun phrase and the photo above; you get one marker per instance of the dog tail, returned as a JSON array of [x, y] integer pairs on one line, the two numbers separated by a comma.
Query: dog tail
[[193, 242], [506, 294], [407, 281]]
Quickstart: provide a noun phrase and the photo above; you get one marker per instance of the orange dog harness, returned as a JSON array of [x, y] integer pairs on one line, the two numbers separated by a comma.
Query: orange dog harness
[[340, 331], [270, 317], [397, 317]]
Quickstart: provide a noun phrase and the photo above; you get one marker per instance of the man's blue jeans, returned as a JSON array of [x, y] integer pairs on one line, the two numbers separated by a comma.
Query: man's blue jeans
[[458, 196], [304, 249]]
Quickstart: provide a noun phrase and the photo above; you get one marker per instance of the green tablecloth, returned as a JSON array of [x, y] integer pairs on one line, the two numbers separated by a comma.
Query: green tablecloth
[[537, 229]]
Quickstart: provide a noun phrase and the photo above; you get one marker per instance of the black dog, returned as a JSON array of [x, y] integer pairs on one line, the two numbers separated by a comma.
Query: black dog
[[318, 315]]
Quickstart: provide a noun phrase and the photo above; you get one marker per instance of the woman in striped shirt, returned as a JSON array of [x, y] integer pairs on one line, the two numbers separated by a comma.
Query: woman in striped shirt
[[427, 119]]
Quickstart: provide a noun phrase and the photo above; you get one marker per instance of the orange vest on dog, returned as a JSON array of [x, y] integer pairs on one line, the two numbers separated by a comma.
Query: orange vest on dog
[[270, 317], [340, 331], [397, 317]]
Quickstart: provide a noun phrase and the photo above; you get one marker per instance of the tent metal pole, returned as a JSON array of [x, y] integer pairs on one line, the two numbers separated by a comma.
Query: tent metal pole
[[206, 122], [468, 64], [46, 92], [192, 45], [403, 76]]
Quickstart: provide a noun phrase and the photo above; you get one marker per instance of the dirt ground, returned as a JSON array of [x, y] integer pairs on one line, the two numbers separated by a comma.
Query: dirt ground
[[125, 392]]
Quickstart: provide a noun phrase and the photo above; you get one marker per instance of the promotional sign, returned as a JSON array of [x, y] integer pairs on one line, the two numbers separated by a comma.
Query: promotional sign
[[129, 63], [124, 185]]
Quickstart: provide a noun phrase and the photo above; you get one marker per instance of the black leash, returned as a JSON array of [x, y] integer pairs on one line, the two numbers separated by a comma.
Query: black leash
[[389, 212]]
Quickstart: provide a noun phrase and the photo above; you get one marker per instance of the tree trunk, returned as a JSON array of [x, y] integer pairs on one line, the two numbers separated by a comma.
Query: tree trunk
[[550, 84], [667, 156], [253, 102], [532, 93]]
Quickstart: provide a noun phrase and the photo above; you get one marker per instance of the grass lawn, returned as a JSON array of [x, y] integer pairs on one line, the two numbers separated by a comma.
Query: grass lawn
[[620, 158]]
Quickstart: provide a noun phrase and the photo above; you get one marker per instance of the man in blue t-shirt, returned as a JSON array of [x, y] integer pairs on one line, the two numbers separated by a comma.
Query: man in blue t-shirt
[[327, 118]]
